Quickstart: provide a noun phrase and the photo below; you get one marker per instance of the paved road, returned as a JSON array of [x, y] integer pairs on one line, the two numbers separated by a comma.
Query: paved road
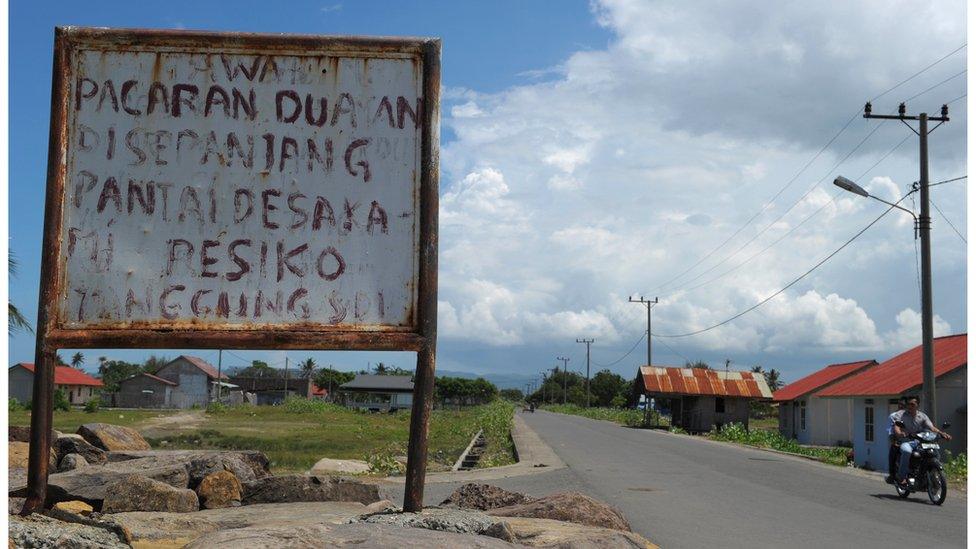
[[681, 491]]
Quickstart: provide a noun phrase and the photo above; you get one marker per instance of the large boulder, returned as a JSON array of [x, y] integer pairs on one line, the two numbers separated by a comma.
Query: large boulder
[[246, 465], [90, 484], [218, 490], [345, 535], [65, 445], [291, 488], [446, 520], [18, 455], [138, 493], [75, 507], [42, 532], [567, 535], [21, 433], [568, 507], [327, 466], [113, 437], [71, 462], [484, 497]]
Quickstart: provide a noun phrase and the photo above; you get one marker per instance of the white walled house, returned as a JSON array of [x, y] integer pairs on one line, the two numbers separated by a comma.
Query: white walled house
[[79, 387], [811, 419], [874, 394]]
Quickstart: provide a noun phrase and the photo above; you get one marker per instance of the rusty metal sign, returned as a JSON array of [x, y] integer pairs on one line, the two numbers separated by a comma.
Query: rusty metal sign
[[234, 183], [248, 191]]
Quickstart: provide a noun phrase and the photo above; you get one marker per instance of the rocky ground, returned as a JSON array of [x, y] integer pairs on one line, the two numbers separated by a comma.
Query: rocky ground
[[108, 488]]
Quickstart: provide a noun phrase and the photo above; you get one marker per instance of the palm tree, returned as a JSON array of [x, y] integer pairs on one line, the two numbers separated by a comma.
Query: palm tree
[[308, 368], [17, 321], [77, 360]]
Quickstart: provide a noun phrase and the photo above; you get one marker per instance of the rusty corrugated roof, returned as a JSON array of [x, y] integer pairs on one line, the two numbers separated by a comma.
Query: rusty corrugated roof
[[699, 381], [899, 374], [820, 379]]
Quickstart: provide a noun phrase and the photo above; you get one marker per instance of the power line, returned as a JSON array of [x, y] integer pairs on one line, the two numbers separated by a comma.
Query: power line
[[807, 165], [788, 286], [798, 225], [925, 91], [954, 100], [636, 343], [963, 238], [672, 349], [948, 181]]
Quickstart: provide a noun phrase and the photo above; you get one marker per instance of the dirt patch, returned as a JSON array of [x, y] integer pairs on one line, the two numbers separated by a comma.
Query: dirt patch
[[162, 426]]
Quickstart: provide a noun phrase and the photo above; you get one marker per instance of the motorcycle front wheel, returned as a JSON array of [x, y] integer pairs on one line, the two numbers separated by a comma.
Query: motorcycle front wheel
[[936, 486]]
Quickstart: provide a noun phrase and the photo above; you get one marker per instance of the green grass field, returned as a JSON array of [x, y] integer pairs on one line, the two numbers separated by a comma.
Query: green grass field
[[296, 435]]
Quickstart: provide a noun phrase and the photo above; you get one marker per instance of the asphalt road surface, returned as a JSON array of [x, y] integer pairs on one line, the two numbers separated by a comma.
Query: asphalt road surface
[[681, 491]]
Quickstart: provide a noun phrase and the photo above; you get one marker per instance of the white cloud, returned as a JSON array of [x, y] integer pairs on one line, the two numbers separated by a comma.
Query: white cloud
[[909, 329], [629, 164]]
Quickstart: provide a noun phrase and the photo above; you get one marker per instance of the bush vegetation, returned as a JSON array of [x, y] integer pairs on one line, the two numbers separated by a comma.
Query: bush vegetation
[[955, 467], [736, 432], [93, 405], [624, 416]]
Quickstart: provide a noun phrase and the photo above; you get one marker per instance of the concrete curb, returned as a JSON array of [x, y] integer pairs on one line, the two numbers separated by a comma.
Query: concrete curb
[[534, 456]]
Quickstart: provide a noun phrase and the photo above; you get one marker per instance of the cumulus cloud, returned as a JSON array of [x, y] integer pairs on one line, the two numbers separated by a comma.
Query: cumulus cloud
[[622, 171]]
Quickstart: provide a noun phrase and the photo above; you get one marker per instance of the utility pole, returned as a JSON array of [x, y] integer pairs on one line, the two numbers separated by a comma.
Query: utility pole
[[220, 357], [286, 377], [649, 304], [924, 232], [565, 375], [587, 342]]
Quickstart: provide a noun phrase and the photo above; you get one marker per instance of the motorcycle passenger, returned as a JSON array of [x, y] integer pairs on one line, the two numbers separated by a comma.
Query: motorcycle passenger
[[893, 449], [908, 423]]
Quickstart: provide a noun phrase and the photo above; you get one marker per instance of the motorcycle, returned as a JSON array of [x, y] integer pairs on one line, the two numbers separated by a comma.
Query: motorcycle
[[925, 469]]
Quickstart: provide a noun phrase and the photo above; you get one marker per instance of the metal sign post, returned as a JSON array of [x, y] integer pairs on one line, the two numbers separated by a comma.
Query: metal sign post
[[240, 191]]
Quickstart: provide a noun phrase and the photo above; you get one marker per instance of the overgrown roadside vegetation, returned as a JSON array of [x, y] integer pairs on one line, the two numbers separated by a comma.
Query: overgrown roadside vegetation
[[68, 422], [760, 438], [955, 469], [624, 416]]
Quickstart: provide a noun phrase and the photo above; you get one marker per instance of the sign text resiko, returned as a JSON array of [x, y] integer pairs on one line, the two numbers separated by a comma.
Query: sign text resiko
[[208, 188]]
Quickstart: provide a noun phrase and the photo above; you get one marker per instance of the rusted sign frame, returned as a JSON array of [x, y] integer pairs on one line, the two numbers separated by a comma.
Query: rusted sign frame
[[51, 336]]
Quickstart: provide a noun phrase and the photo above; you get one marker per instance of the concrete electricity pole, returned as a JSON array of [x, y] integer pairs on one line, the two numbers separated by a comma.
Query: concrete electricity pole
[[565, 375], [649, 304], [924, 232], [587, 342]]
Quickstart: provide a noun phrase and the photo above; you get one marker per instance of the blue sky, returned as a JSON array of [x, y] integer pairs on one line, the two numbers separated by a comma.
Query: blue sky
[[592, 151]]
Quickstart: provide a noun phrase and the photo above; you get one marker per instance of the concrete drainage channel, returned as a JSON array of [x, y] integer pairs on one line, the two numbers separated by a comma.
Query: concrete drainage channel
[[472, 454]]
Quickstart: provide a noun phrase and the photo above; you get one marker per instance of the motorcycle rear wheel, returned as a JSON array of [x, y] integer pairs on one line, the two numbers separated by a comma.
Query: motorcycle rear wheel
[[903, 491], [936, 486]]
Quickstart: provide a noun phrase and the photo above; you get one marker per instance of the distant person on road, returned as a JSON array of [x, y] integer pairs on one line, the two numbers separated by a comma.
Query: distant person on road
[[908, 423], [893, 449]]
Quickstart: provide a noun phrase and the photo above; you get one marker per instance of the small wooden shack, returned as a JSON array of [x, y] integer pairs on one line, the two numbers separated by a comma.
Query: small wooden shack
[[698, 399]]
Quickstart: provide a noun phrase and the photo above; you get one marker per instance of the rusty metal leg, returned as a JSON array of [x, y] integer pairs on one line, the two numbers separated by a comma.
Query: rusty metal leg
[[423, 393], [42, 415]]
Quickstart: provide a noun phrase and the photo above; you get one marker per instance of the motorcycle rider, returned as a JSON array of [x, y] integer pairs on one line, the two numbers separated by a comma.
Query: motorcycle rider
[[907, 423]]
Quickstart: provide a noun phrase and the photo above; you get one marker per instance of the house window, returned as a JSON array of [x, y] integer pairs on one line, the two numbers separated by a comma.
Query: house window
[[803, 415], [869, 422], [719, 405]]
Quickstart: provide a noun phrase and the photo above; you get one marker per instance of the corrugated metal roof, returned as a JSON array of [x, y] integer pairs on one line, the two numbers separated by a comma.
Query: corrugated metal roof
[[205, 366], [65, 375], [899, 374], [150, 376], [699, 381], [819, 379], [364, 382]]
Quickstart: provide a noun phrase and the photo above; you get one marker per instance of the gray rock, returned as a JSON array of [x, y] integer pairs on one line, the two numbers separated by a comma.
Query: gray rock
[[14, 505], [290, 488], [21, 433], [16, 479], [363, 536], [535, 532], [138, 493], [246, 465], [113, 437], [72, 462], [445, 520], [65, 445], [39, 531]]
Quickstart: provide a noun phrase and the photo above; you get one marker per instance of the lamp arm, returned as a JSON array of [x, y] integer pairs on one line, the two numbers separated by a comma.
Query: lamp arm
[[895, 205]]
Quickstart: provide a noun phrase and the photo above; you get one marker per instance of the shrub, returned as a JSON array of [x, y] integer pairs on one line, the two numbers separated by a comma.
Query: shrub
[[216, 408], [736, 432], [61, 400], [13, 405], [93, 405], [300, 405], [955, 466], [383, 461], [624, 416]]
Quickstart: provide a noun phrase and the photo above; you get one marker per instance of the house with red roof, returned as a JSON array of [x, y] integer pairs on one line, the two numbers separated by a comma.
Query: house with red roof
[[79, 386], [874, 394], [810, 419], [183, 382], [699, 399]]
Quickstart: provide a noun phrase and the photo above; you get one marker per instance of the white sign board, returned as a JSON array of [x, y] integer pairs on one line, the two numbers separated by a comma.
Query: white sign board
[[211, 189]]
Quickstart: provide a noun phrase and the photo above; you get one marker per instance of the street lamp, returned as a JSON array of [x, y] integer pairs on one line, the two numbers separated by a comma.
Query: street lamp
[[922, 229]]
